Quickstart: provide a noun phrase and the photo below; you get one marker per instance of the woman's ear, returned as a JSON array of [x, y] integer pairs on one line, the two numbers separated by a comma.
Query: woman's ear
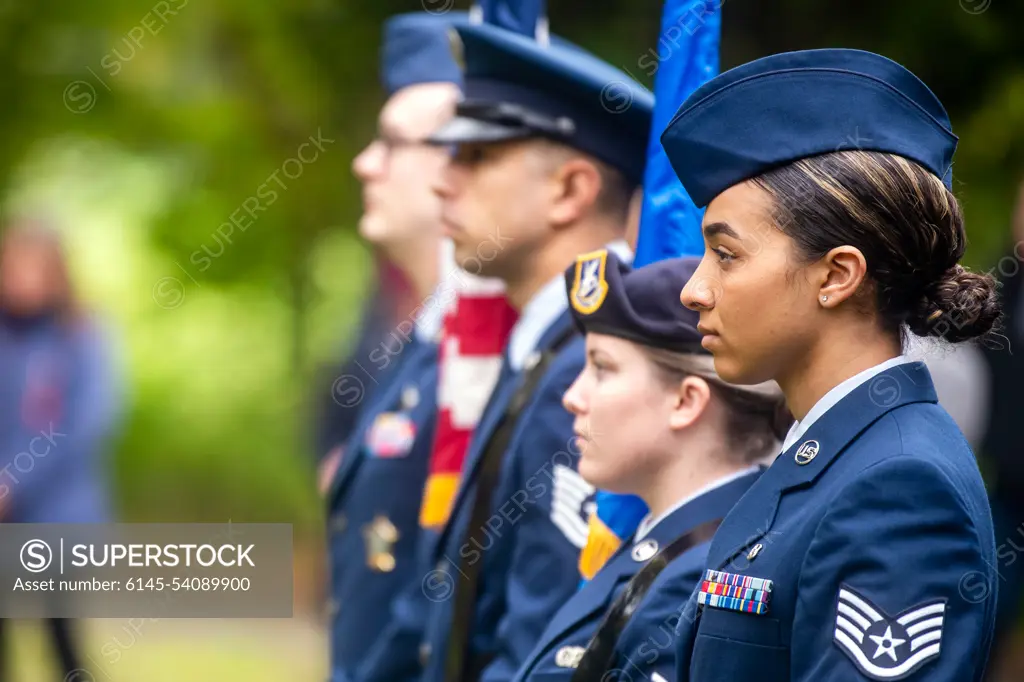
[[844, 268], [690, 400]]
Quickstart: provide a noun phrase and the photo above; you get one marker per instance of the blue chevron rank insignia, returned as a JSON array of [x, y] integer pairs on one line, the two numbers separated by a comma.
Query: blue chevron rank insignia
[[887, 647]]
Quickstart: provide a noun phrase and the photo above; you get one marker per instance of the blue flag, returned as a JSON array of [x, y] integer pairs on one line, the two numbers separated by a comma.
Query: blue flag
[[527, 17], [686, 57]]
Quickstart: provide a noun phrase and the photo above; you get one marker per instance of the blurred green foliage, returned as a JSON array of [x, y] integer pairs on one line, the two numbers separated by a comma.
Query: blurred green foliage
[[168, 138]]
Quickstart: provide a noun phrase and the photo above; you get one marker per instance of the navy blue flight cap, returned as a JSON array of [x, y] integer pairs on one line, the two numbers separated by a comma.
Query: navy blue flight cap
[[515, 87], [790, 106], [641, 305], [417, 49]]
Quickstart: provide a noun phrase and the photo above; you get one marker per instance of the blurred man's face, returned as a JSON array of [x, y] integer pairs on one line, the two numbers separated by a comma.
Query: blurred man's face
[[496, 200], [29, 281], [400, 212]]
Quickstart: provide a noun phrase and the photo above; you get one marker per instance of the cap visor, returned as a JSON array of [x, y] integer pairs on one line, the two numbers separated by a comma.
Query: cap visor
[[462, 130]]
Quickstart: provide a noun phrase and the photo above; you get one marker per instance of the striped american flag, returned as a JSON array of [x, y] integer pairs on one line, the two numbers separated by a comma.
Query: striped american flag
[[476, 327]]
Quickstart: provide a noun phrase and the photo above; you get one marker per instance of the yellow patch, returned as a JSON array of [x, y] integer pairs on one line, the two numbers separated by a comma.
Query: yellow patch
[[589, 287], [601, 544], [457, 49]]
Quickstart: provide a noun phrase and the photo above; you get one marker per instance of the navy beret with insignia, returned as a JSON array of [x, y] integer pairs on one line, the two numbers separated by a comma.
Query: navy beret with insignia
[[642, 305], [515, 87], [417, 49], [790, 106]]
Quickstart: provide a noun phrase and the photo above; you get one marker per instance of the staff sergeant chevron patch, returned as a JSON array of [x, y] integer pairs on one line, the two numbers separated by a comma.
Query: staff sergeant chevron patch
[[884, 647]]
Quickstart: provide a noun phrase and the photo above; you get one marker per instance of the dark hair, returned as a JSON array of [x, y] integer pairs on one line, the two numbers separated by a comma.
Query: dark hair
[[616, 194], [907, 224], [757, 418]]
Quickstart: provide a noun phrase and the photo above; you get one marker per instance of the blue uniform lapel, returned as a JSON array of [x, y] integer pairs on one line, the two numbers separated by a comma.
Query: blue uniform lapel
[[412, 364], [827, 438], [596, 597], [508, 380], [504, 389]]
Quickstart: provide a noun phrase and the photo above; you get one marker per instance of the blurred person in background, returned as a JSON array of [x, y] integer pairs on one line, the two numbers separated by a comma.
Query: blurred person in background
[[1003, 444], [962, 383], [542, 170], [60, 399], [337, 405], [375, 488]]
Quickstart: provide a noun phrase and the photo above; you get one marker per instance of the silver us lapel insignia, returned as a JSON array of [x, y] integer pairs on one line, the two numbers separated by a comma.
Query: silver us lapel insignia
[[380, 536], [569, 656], [589, 287], [887, 647]]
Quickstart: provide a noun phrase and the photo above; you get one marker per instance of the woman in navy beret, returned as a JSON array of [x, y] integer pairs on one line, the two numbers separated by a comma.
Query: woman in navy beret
[[866, 550], [652, 419]]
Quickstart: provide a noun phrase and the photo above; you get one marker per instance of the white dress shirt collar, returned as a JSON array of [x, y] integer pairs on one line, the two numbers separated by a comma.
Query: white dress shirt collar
[[427, 326], [541, 311], [830, 399], [648, 524]]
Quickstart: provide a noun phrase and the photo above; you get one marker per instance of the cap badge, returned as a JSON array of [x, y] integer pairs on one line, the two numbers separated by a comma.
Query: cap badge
[[590, 287]]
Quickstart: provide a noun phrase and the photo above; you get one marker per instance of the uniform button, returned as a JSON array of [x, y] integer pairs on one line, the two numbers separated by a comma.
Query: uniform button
[[754, 551], [338, 523], [332, 608], [425, 651]]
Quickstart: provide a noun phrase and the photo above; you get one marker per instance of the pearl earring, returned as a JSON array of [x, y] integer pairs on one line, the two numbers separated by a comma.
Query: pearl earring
[[824, 298]]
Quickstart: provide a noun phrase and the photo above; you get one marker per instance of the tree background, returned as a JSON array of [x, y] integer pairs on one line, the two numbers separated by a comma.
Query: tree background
[[142, 128]]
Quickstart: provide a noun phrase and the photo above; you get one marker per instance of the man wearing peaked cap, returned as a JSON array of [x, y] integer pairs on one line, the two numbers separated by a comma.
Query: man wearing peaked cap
[[547, 148], [516, 89], [374, 494], [866, 551]]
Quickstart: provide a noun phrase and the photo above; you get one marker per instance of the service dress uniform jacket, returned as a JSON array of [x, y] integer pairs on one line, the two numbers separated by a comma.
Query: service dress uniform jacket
[[531, 546], [865, 551], [646, 645], [374, 505]]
